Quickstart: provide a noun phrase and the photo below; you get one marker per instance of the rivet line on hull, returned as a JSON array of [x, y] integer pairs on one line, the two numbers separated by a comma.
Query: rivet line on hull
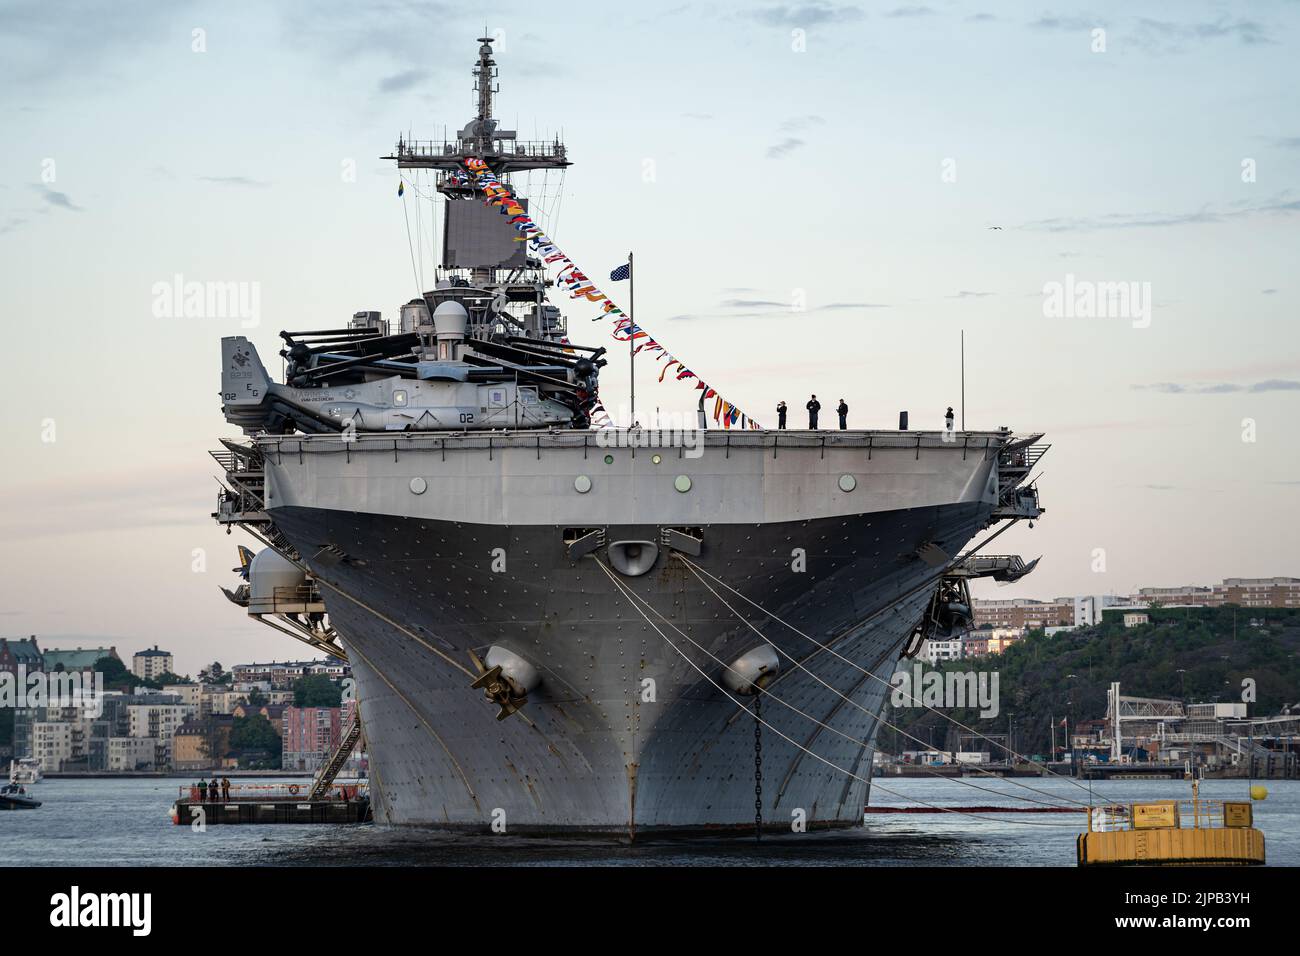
[[415, 710], [391, 623], [845, 699], [876, 676], [816, 756], [876, 718]]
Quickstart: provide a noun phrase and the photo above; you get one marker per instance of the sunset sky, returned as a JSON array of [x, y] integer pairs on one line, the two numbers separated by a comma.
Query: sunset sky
[[852, 158]]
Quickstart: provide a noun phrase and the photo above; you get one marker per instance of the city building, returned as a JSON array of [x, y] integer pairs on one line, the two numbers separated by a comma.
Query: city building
[[274, 713], [936, 651], [1024, 613], [1136, 618], [79, 659], [976, 643], [285, 674], [223, 700], [200, 744], [20, 653], [1194, 596], [52, 744], [1000, 638], [989, 640], [1261, 592], [309, 736], [187, 694], [159, 721], [151, 663], [1088, 607], [130, 754]]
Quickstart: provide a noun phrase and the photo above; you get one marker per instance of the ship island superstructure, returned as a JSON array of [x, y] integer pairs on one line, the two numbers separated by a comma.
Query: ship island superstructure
[[559, 627]]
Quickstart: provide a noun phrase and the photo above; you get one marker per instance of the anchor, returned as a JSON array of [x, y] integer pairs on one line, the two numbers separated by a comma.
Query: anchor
[[498, 688]]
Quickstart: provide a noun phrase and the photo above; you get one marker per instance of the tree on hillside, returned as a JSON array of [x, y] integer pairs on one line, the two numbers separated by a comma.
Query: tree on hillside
[[254, 734], [1183, 653], [116, 676], [316, 690], [214, 673]]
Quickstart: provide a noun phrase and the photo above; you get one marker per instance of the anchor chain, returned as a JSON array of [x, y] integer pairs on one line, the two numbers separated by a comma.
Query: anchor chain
[[758, 766]]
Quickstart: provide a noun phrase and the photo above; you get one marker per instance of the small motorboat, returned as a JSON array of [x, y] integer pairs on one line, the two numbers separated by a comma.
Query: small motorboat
[[14, 796], [25, 770]]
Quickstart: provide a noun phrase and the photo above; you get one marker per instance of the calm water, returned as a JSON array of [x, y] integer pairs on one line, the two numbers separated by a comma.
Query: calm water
[[112, 822]]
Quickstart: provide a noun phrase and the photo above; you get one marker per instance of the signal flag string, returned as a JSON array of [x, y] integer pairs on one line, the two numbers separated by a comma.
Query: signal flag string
[[580, 286]]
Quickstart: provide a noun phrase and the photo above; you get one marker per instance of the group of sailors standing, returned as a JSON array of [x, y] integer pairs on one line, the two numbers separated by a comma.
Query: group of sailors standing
[[842, 410]]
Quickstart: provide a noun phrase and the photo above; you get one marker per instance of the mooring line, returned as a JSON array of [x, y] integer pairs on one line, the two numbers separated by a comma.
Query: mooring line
[[877, 718], [816, 756], [1047, 771]]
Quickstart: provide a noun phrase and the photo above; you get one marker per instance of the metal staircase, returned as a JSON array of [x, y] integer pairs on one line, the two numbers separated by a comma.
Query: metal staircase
[[340, 756], [1015, 461]]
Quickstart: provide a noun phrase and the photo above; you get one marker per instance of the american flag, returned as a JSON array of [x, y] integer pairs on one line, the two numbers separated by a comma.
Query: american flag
[[622, 272]]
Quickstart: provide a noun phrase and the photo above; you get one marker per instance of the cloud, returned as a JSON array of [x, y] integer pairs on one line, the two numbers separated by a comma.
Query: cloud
[[1268, 291], [1067, 24], [1281, 204], [400, 82], [235, 181], [797, 123], [753, 304], [966, 294], [56, 198], [769, 307], [341, 31], [901, 12], [42, 46], [805, 15], [1287, 142], [981, 18], [784, 147], [1164, 36], [788, 144], [1220, 388]]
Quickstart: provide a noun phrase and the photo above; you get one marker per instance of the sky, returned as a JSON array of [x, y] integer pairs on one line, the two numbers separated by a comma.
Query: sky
[[821, 197]]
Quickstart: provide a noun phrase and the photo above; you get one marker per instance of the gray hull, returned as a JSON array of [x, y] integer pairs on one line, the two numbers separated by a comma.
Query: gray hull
[[412, 590]]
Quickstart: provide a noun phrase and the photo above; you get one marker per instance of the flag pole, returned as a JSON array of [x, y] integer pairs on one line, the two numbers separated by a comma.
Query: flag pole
[[631, 339]]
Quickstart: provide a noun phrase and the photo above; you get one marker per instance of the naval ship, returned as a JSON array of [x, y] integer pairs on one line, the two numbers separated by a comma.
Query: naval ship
[[559, 627]]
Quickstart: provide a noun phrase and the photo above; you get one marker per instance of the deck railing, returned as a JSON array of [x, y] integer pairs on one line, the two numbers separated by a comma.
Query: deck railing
[[1182, 814], [268, 792]]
